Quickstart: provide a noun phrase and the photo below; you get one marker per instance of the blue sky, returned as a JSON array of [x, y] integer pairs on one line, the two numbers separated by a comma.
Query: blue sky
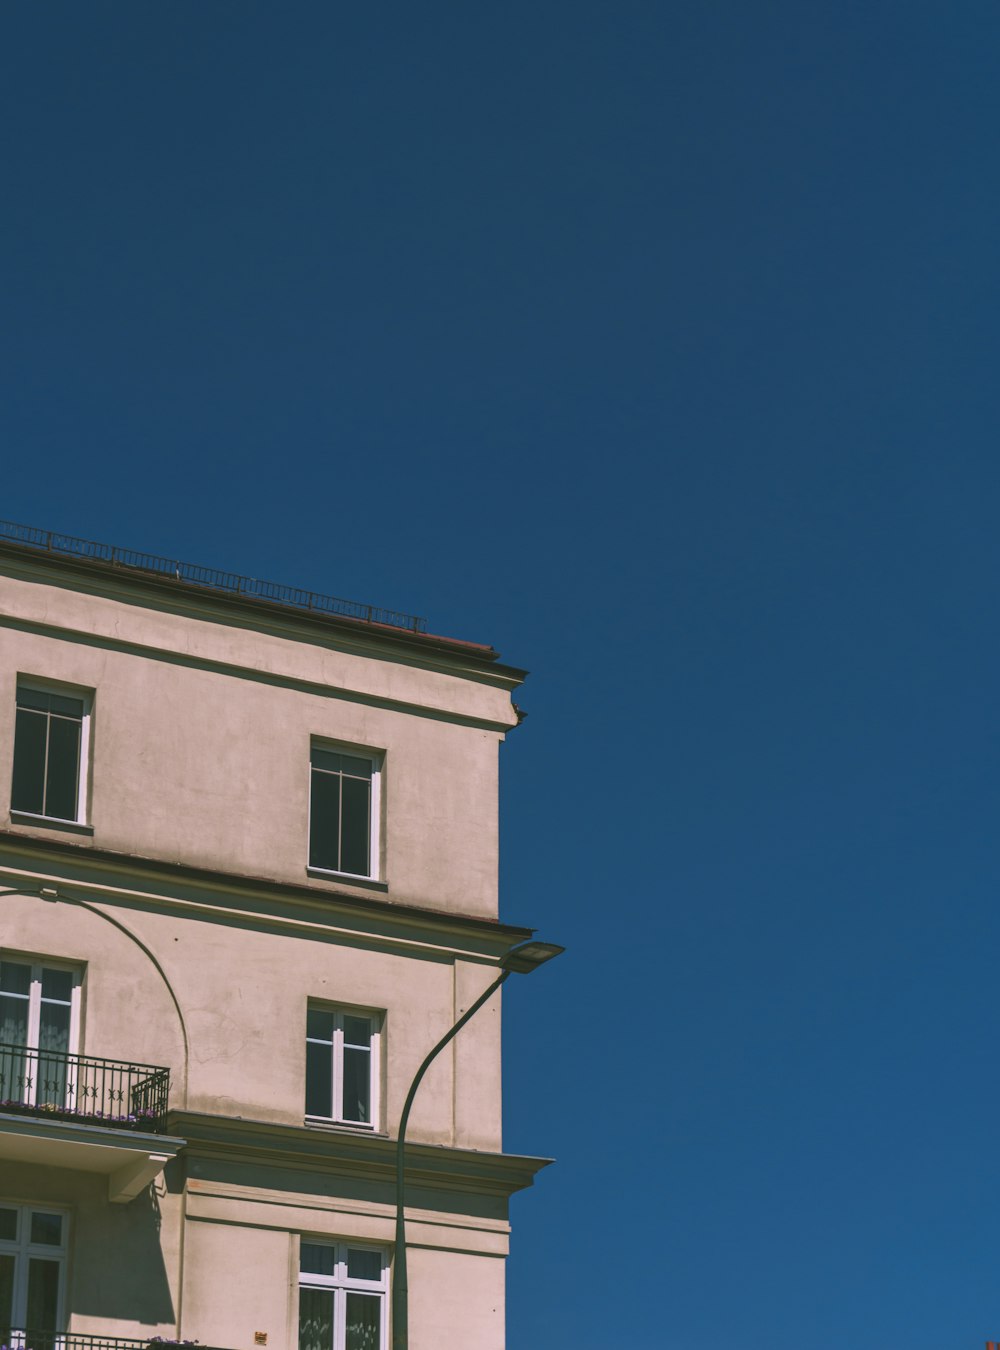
[[656, 345]]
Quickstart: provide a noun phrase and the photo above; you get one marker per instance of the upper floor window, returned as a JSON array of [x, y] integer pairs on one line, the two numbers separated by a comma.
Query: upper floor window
[[32, 1271], [342, 1296], [50, 753], [342, 1069], [343, 812]]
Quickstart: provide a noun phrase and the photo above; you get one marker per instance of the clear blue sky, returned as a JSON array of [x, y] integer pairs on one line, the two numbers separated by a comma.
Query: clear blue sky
[[656, 344]]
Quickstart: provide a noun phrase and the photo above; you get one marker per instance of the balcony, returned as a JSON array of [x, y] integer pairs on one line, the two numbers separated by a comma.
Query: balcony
[[71, 1340], [85, 1113], [83, 1089]]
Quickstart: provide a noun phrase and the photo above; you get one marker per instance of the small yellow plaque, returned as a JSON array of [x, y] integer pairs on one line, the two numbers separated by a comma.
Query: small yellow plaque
[[260, 1338]]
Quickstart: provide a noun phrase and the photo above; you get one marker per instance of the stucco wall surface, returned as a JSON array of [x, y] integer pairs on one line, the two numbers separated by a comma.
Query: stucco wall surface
[[223, 1006], [200, 739], [456, 1275]]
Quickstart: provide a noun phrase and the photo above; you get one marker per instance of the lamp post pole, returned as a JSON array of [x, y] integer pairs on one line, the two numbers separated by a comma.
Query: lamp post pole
[[523, 960]]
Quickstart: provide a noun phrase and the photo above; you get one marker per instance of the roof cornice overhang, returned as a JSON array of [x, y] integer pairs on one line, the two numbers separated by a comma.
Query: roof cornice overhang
[[111, 578], [102, 873], [349, 1154]]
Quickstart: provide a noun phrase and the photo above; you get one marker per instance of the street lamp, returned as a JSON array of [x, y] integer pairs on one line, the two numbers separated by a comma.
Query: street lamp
[[518, 961]]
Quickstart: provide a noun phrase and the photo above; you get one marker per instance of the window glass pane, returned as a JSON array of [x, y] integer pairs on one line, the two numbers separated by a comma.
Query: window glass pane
[[66, 707], [325, 759], [32, 698], [13, 1070], [6, 1297], [319, 1080], [357, 1086], [357, 1030], [360, 768], [324, 822], [355, 826], [364, 1322], [8, 1225], [52, 1069], [28, 789], [362, 1265], [13, 1020], [13, 1031], [319, 1024], [15, 978], [315, 1319], [57, 984], [63, 769], [53, 1027], [43, 1294], [317, 1258], [46, 1228]]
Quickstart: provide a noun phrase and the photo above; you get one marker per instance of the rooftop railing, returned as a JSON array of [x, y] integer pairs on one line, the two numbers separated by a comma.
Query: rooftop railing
[[83, 1090], [210, 578]]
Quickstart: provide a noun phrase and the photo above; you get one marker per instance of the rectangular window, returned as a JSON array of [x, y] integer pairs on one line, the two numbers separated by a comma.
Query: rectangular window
[[342, 1296], [50, 753], [39, 1012], [343, 812], [342, 1068], [32, 1273]]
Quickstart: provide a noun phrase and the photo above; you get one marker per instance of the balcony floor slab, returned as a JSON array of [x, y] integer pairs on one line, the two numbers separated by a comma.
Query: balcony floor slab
[[130, 1159]]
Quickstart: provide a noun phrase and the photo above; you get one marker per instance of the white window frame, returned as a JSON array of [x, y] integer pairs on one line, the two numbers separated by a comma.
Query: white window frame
[[339, 1012], [377, 760], [86, 696], [36, 964], [341, 1284], [23, 1249]]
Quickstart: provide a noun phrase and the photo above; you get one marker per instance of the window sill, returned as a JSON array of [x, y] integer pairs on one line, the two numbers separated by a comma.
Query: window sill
[[351, 878], [343, 1127], [49, 822]]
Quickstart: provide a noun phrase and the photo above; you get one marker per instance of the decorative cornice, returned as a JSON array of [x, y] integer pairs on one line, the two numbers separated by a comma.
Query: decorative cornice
[[350, 1154], [324, 908]]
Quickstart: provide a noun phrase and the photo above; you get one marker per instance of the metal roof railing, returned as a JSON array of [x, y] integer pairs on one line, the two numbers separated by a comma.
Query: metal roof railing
[[210, 578]]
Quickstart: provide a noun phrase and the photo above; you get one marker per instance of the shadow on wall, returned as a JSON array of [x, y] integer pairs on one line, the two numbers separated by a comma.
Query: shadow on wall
[[121, 1276]]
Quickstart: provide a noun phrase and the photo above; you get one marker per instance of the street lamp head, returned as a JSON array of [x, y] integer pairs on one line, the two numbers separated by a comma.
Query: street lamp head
[[529, 956]]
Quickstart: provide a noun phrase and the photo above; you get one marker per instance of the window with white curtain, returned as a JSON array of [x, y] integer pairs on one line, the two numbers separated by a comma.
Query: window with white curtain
[[33, 1242], [342, 1296], [39, 1011]]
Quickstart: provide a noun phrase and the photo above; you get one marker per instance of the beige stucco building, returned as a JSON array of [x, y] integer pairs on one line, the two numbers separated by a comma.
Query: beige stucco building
[[247, 844]]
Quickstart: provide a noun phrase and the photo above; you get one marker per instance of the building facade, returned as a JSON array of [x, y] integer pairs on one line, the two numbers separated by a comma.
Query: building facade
[[248, 877]]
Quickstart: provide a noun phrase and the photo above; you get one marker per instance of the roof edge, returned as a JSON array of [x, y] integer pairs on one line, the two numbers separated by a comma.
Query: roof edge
[[477, 653]]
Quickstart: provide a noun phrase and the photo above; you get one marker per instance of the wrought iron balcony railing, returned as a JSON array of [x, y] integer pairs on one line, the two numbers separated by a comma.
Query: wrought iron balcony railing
[[82, 1089], [72, 1340]]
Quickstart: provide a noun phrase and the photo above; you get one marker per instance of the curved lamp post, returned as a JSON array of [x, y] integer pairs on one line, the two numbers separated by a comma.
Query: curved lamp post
[[521, 961]]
